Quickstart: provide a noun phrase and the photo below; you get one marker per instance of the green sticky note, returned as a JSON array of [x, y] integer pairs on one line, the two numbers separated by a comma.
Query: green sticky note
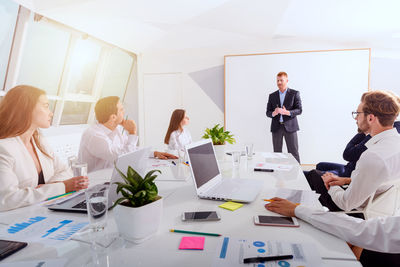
[[231, 205]]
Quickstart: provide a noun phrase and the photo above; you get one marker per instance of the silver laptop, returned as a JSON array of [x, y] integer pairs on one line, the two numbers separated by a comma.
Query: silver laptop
[[135, 159], [208, 180]]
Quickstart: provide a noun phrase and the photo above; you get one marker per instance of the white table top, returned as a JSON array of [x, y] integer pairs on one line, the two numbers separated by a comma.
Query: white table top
[[180, 196]]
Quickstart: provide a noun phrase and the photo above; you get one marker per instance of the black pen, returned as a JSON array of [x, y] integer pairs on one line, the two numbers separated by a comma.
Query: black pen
[[263, 170], [173, 162], [269, 258]]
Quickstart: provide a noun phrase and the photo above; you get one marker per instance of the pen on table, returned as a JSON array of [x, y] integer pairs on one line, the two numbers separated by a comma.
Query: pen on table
[[66, 194], [191, 232], [173, 162], [269, 258], [124, 128], [271, 200]]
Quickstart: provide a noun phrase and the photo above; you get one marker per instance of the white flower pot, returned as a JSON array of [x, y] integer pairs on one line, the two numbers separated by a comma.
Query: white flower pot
[[220, 152], [138, 224]]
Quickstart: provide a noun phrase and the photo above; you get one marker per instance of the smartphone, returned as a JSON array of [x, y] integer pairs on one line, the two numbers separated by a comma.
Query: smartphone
[[276, 221], [201, 216], [8, 247]]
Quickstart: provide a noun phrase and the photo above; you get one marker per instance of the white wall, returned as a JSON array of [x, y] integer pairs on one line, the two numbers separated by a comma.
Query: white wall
[[201, 109]]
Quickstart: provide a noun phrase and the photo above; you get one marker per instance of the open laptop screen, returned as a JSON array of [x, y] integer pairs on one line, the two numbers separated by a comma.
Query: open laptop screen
[[204, 163]]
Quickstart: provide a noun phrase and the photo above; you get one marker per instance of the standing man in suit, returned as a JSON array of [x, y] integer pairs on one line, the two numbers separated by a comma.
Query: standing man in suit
[[283, 107]]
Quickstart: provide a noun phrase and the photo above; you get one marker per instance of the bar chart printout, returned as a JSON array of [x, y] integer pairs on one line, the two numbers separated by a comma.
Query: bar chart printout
[[44, 229]]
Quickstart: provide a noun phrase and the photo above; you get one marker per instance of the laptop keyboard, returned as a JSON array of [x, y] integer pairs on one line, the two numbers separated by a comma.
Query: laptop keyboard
[[80, 205]]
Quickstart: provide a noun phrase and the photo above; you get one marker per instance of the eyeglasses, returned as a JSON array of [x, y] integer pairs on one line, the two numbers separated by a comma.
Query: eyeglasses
[[355, 114]]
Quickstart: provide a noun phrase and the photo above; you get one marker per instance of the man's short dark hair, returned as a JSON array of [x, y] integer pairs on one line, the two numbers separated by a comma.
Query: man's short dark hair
[[383, 104], [105, 107]]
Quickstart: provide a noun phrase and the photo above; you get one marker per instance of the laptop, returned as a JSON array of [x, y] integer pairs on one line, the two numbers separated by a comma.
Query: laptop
[[135, 159], [208, 180]]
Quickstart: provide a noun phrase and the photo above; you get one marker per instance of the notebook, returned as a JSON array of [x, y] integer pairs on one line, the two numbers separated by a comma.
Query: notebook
[[208, 180], [135, 159]]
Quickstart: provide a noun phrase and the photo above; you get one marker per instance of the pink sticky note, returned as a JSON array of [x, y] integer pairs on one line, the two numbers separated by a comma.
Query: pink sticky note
[[192, 242]]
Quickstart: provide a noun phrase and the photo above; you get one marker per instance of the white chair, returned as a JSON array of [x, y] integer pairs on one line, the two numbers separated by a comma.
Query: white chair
[[385, 204]]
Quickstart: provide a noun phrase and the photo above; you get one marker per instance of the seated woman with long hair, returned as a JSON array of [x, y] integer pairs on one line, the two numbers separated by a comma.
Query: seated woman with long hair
[[29, 171], [177, 136]]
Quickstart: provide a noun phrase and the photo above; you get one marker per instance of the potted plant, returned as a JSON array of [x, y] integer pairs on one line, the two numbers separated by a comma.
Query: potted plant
[[138, 211], [219, 138]]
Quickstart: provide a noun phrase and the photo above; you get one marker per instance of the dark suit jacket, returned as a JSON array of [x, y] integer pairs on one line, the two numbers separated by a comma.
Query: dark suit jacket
[[353, 152], [292, 102]]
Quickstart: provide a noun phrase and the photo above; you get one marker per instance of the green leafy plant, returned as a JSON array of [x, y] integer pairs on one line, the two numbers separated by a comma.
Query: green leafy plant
[[218, 135], [137, 191]]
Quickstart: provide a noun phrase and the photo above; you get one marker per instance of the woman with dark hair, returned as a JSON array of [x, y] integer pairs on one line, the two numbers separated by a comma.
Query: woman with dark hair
[[177, 136], [29, 170]]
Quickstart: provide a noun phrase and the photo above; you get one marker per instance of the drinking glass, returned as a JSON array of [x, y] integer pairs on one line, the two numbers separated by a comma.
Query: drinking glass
[[72, 160], [79, 169], [236, 158], [97, 206], [249, 151]]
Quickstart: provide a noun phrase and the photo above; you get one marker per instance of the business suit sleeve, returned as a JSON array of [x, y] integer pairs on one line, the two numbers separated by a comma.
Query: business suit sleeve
[[355, 147], [270, 106], [297, 107], [15, 193]]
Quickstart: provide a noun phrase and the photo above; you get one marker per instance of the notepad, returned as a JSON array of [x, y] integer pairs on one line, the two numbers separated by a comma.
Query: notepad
[[231, 205], [192, 242]]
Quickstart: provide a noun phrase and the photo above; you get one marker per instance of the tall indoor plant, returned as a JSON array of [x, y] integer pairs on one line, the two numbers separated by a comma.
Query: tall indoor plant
[[219, 138], [139, 209]]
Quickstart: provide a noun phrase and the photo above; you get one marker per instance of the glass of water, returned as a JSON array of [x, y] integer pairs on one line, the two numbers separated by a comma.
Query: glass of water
[[97, 206], [79, 169], [249, 150], [236, 158]]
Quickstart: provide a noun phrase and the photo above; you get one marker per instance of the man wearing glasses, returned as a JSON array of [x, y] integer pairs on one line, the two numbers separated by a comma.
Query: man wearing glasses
[[379, 164], [375, 115]]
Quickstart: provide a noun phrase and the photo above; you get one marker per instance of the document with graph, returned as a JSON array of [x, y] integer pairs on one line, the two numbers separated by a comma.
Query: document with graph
[[43, 228], [234, 252]]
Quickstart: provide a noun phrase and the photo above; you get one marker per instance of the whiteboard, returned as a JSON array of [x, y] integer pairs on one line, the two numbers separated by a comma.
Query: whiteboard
[[330, 83]]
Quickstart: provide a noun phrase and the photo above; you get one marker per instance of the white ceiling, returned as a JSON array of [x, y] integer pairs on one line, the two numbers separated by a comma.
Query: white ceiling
[[153, 25]]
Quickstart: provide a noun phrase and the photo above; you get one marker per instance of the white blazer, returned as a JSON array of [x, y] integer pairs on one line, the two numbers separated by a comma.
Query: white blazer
[[19, 177], [178, 140]]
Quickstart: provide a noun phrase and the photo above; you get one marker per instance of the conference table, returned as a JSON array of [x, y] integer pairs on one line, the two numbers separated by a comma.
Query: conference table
[[179, 195]]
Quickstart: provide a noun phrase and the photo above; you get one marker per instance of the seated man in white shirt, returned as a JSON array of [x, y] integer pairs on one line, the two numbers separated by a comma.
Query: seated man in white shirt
[[378, 164], [102, 143]]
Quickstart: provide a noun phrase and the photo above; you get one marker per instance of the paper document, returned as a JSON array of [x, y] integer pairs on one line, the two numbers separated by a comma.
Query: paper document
[[231, 252], [273, 166], [43, 229], [36, 263], [303, 197], [271, 155], [158, 163]]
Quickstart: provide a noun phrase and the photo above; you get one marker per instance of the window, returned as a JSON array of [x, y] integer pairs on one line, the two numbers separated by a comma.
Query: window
[[73, 68], [44, 52], [8, 20]]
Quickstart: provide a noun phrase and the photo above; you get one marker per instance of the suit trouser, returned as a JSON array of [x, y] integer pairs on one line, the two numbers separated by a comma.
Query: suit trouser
[[314, 179], [290, 139]]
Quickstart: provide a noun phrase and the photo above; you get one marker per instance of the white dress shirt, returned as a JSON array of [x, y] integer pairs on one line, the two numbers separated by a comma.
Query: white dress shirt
[[378, 234], [19, 176], [100, 146], [178, 140], [378, 164]]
